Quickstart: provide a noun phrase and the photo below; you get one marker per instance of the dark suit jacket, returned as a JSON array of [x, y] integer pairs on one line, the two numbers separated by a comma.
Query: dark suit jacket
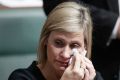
[[104, 14]]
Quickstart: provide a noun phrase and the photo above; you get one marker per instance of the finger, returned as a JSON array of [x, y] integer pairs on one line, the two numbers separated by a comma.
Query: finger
[[83, 64], [87, 60], [72, 62], [77, 60], [86, 77], [89, 64], [91, 69], [77, 67], [82, 54], [81, 73]]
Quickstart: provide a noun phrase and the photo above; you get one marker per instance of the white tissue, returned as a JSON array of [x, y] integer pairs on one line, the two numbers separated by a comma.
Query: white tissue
[[83, 52], [74, 51]]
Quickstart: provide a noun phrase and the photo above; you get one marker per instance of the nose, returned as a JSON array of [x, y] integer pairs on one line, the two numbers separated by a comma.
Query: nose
[[66, 52]]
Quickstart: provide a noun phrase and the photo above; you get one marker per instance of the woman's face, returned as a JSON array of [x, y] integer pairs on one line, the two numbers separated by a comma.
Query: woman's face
[[59, 48]]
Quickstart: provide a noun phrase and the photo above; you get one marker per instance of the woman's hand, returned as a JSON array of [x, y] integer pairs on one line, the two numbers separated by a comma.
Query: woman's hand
[[90, 72], [81, 68]]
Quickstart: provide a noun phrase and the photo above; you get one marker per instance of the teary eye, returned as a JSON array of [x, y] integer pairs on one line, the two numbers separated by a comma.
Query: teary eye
[[59, 43], [75, 45]]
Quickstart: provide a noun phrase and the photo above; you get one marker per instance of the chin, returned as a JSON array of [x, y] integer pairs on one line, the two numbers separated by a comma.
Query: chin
[[61, 71], [62, 68]]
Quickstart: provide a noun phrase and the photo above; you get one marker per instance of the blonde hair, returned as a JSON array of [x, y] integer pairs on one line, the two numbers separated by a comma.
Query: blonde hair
[[67, 17]]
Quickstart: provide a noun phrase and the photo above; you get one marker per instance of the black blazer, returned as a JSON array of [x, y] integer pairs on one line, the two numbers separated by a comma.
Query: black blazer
[[104, 14]]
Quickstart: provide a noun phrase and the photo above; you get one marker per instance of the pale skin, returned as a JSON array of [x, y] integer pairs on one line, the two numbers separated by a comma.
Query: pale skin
[[59, 47]]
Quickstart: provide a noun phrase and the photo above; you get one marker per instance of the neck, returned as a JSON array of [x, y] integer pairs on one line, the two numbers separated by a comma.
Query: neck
[[48, 72]]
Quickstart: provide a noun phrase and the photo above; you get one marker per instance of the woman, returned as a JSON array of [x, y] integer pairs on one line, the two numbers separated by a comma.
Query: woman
[[67, 27]]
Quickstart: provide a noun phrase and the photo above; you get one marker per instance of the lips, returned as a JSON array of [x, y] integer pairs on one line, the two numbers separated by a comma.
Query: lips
[[62, 63]]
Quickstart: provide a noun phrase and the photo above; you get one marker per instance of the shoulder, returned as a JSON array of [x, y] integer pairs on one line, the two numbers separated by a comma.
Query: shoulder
[[98, 76], [30, 73], [20, 74]]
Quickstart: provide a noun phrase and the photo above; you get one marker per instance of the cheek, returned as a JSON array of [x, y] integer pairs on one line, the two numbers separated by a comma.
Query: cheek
[[52, 51]]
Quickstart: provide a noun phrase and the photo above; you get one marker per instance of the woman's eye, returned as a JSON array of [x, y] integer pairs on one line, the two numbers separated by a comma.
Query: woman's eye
[[59, 43], [75, 45]]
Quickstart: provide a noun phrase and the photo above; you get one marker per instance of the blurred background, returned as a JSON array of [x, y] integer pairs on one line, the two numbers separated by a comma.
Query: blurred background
[[20, 25]]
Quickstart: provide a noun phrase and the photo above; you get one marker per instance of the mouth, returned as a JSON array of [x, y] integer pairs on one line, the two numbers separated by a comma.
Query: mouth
[[62, 63]]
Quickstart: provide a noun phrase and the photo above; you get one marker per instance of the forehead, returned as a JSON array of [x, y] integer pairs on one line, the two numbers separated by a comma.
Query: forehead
[[67, 36]]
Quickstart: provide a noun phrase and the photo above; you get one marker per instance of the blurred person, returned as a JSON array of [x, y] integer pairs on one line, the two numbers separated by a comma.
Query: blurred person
[[106, 34], [61, 33]]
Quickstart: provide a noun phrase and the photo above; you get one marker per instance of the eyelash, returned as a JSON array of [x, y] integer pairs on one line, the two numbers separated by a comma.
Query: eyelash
[[75, 45], [59, 43]]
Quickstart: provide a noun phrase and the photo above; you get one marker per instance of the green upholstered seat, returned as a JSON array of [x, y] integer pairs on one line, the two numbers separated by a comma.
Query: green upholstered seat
[[19, 36]]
